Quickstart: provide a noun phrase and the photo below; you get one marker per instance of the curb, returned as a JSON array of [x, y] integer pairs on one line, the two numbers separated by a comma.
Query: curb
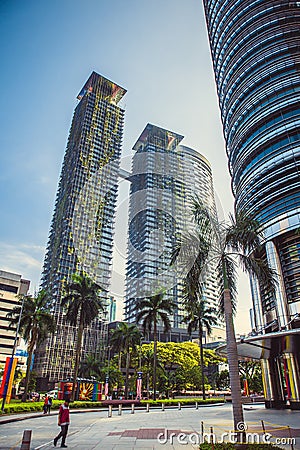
[[11, 419]]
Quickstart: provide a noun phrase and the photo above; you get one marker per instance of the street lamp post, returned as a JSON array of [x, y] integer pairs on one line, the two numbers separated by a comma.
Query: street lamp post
[[12, 357]]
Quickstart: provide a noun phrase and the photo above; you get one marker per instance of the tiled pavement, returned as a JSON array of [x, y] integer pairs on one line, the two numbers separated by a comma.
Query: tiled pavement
[[157, 429], [161, 429]]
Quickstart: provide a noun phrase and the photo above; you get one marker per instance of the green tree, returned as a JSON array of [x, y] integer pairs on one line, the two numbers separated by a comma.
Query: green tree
[[125, 338], [115, 377], [229, 245], [222, 380], [82, 303], [178, 364], [192, 250], [36, 323], [32, 381], [200, 317], [147, 361], [90, 367], [146, 357], [151, 311], [251, 371]]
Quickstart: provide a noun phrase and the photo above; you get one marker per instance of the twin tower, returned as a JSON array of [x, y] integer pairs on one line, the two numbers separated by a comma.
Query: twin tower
[[165, 177]]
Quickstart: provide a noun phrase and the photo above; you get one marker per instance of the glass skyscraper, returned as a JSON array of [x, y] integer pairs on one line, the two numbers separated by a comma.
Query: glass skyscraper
[[165, 176], [81, 234], [255, 46]]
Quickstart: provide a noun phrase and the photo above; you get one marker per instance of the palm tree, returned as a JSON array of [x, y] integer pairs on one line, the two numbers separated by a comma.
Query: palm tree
[[200, 317], [82, 303], [225, 246], [125, 338], [147, 363], [151, 310], [192, 249], [147, 360], [90, 367], [116, 343], [36, 323]]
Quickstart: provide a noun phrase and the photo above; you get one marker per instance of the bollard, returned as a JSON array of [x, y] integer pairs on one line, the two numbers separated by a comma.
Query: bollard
[[202, 431], [212, 440], [197, 406], [179, 405], [120, 410], [26, 440], [109, 411], [291, 439], [147, 407], [162, 406], [132, 408]]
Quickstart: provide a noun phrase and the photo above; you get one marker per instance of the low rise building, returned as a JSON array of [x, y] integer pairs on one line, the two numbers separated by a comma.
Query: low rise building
[[11, 286]]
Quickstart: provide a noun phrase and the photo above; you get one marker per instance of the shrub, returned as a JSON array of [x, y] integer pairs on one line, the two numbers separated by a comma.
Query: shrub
[[14, 408], [229, 446]]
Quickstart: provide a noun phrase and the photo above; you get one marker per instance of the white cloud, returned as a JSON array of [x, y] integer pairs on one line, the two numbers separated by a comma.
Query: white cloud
[[24, 259]]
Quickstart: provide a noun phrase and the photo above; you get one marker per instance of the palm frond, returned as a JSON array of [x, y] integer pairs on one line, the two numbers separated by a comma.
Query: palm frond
[[81, 300], [259, 268], [243, 235]]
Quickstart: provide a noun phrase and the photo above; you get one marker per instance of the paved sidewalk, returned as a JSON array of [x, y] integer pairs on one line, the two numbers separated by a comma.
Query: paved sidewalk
[[178, 429], [158, 430]]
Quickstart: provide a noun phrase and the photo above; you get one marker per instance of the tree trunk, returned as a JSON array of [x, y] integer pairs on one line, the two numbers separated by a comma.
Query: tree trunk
[[120, 383], [201, 358], [232, 355], [77, 360], [30, 349], [148, 384], [154, 358], [29, 361], [127, 373]]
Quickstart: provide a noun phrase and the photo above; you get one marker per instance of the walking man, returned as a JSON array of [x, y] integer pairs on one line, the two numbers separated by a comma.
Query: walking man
[[49, 404], [63, 422]]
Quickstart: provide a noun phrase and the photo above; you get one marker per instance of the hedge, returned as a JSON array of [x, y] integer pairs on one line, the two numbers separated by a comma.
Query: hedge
[[14, 408], [229, 446]]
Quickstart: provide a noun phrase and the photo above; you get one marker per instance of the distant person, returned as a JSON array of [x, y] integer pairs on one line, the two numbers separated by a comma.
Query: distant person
[[45, 406], [49, 404], [63, 422]]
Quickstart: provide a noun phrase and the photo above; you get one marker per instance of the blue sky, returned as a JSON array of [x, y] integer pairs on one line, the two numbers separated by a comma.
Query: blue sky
[[158, 50]]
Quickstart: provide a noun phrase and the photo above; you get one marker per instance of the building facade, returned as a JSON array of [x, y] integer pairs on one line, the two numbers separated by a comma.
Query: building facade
[[11, 286], [81, 234], [165, 177], [255, 47], [112, 309]]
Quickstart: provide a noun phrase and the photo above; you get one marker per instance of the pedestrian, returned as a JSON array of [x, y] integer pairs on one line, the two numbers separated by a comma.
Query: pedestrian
[[63, 422], [49, 404], [45, 406]]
